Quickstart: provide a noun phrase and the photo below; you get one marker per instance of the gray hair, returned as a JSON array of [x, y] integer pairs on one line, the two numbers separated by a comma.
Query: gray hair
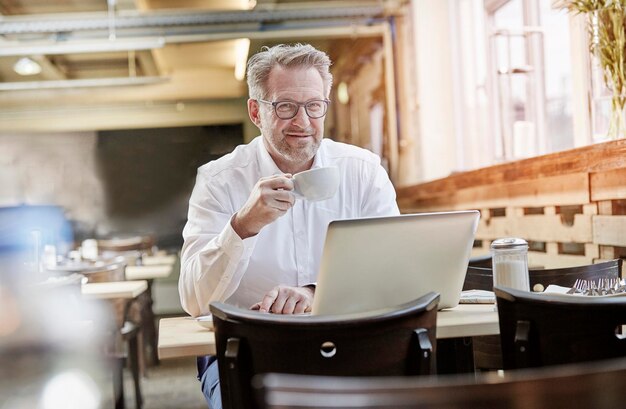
[[289, 56]]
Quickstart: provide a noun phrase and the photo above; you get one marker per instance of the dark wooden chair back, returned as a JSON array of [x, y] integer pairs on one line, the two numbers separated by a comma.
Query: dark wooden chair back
[[566, 277], [393, 341], [598, 385], [487, 349], [478, 278], [483, 261], [481, 278], [545, 329]]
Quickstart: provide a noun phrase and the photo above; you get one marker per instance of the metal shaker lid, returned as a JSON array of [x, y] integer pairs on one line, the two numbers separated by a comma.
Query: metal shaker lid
[[508, 243]]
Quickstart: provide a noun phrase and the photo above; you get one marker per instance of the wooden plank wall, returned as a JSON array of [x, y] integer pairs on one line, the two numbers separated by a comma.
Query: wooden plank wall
[[570, 206]]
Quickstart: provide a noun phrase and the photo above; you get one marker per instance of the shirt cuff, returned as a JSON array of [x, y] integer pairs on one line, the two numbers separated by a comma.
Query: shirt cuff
[[233, 245]]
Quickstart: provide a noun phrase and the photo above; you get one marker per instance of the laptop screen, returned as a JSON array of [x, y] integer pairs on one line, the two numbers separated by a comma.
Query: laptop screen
[[374, 263]]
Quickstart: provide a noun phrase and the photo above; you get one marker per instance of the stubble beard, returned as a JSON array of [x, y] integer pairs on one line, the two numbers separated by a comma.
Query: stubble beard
[[296, 154]]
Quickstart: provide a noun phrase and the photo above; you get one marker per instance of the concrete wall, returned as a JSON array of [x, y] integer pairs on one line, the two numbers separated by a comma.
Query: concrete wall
[[112, 183]]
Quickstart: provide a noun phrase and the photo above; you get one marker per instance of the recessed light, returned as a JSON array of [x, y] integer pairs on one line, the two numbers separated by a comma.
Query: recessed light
[[25, 66]]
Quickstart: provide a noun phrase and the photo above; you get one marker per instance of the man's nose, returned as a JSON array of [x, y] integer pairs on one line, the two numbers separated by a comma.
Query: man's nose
[[301, 119]]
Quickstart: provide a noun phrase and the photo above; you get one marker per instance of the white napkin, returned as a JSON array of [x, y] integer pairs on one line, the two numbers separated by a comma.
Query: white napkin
[[557, 289], [205, 321], [477, 297]]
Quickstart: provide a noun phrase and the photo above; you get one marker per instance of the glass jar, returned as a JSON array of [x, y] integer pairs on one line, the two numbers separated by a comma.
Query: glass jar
[[510, 263]]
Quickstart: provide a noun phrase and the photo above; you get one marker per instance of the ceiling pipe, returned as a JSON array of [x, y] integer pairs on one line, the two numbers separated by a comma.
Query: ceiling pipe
[[81, 83], [8, 49], [65, 23]]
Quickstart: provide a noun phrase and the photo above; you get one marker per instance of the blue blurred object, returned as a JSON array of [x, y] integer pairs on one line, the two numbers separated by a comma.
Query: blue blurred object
[[24, 230]]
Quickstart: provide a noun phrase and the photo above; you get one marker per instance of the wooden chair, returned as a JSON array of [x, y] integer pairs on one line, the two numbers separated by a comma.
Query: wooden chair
[[483, 261], [132, 249], [545, 329], [487, 350], [481, 278], [566, 277], [393, 341], [598, 385], [126, 336], [478, 278]]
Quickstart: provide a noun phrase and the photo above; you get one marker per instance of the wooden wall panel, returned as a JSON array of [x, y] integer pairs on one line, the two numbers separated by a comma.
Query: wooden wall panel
[[572, 204], [609, 230], [538, 227], [608, 185], [557, 190]]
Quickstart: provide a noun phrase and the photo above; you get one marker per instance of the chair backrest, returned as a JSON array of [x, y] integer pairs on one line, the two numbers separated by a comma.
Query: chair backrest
[[101, 271], [483, 261], [598, 385], [544, 329], [393, 341], [481, 278], [487, 350], [566, 277], [478, 278]]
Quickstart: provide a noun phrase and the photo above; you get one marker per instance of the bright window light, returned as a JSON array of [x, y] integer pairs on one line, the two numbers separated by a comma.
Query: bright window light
[[242, 46]]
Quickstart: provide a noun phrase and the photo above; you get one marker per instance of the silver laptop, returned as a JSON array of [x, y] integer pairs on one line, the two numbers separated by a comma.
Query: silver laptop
[[381, 262]]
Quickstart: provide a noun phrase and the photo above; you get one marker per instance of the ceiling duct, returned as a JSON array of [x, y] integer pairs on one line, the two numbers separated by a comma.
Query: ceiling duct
[[64, 23]]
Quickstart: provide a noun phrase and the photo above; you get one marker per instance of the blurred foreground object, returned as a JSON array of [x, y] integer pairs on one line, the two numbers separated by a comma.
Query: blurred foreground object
[[51, 344]]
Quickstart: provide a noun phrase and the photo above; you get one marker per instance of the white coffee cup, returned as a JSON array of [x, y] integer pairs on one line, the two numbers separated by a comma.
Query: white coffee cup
[[316, 184]]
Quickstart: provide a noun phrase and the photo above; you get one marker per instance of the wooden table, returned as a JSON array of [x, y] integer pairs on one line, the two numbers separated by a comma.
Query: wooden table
[[115, 289], [119, 294], [183, 336], [159, 259], [150, 272], [468, 320]]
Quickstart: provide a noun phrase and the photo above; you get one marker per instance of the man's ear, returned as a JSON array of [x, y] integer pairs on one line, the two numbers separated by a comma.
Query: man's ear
[[254, 112]]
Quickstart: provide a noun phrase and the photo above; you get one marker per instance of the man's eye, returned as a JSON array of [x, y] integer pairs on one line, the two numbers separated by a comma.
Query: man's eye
[[285, 107], [314, 105]]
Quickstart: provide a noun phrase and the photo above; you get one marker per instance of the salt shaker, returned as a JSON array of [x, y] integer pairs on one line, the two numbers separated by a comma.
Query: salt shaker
[[510, 263]]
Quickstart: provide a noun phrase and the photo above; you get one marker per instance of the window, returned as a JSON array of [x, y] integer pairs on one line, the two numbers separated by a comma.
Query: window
[[513, 81], [530, 77]]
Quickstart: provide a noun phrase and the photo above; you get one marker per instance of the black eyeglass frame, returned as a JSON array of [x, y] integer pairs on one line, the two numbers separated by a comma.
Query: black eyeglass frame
[[299, 104]]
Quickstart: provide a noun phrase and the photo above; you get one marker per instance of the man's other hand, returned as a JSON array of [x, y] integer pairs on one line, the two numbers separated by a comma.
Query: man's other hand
[[286, 300]]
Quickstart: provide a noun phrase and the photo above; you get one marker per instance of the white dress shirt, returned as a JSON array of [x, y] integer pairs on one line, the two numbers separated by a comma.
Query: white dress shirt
[[217, 265]]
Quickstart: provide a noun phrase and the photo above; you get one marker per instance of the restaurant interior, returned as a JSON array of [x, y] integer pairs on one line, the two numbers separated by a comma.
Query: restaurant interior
[[513, 108]]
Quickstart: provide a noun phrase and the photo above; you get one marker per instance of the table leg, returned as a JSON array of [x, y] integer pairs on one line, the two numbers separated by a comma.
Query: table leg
[[150, 329]]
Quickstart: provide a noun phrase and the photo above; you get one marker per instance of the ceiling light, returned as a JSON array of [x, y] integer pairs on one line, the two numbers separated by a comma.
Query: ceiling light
[[25, 66], [80, 46], [242, 46]]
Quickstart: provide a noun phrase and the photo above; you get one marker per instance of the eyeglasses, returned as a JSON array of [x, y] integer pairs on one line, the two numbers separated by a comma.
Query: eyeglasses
[[315, 108]]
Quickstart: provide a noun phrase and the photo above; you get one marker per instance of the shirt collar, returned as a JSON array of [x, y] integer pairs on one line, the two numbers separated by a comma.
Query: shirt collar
[[267, 166]]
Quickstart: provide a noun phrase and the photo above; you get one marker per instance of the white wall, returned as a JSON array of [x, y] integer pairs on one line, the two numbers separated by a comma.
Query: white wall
[[435, 88]]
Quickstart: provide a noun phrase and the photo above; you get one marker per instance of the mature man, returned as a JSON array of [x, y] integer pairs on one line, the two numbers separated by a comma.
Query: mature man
[[248, 240]]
